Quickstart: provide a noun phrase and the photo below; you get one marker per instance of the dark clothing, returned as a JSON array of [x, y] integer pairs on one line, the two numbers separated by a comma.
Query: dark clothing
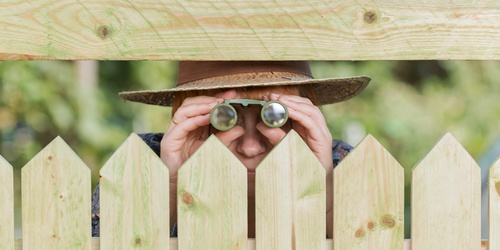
[[340, 150]]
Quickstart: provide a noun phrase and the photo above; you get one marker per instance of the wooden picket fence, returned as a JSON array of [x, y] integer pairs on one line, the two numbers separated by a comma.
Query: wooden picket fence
[[290, 200]]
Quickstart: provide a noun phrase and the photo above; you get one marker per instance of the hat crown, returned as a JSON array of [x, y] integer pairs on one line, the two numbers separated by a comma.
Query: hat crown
[[193, 71]]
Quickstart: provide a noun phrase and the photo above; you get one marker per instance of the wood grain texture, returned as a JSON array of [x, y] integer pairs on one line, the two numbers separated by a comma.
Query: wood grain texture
[[368, 199], [56, 200], [290, 198], [6, 205], [250, 245], [446, 199], [212, 199], [250, 30], [494, 205], [134, 199]]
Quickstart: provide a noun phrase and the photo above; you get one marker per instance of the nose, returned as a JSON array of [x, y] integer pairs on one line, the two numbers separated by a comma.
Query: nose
[[252, 143]]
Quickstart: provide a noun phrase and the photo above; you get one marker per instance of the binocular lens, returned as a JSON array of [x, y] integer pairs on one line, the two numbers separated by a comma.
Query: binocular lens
[[274, 114], [223, 117]]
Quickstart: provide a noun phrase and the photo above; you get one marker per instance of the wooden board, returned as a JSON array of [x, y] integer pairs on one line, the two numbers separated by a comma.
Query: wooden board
[[250, 245], [6, 205], [134, 199], [446, 199], [212, 199], [368, 199], [251, 30], [290, 198], [494, 205], [56, 200]]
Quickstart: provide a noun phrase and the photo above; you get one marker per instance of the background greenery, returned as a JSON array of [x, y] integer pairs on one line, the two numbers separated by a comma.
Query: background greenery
[[408, 106]]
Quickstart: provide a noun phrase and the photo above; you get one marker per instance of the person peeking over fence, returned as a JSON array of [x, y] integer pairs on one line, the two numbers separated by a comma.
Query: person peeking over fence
[[249, 106]]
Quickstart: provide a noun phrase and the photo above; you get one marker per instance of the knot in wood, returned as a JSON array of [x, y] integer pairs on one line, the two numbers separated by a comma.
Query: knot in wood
[[388, 221], [103, 31], [370, 17], [187, 198], [497, 187], [359, 233], [371, 225]]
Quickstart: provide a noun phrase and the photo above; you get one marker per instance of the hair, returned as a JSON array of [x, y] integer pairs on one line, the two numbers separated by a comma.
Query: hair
[[248, 93]]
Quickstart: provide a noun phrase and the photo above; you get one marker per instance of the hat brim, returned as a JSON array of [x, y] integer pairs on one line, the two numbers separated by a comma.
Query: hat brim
[[327, 91]]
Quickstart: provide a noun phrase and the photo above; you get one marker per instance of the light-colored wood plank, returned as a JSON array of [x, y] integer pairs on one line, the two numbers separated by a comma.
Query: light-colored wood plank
[[212, 199], [6, 205], [134, 199], [290, 197], [446, 199], [56, 200], [251, 244], [256, 30], [368, 199], [494, 205]]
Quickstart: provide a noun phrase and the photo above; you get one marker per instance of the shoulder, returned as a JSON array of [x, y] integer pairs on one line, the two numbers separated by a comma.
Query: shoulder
[[339, 149], [153, 140]]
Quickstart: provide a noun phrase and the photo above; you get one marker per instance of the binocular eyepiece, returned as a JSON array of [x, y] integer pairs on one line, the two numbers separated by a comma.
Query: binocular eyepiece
[[224, 117]]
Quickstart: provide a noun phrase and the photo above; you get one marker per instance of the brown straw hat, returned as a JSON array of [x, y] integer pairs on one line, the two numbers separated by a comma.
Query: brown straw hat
[[204, 75]]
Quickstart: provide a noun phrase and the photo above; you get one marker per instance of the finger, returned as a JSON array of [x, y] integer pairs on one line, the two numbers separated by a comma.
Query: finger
[[228, 94], [180, 131], [192, 110], [200, 99], [308, 110], [293, 98], [316, 129]]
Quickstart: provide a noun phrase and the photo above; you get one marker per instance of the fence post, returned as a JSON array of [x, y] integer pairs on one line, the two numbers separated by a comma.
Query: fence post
[[494, 205], [368, 199], [56, 200], [134, 199], [212, 199], [446, 199], [290, 197], [6, 205]]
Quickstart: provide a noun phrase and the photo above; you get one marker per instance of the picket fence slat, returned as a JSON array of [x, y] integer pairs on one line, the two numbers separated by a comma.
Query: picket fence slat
[[369, 199], [212, 199], [6, 205], [134, 196], [56, 199], [134, 200], [290, 197], [494, 205], [446, 199]]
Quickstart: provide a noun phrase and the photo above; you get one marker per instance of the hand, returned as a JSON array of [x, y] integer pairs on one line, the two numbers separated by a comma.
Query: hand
[[310, 124], [182, 139]]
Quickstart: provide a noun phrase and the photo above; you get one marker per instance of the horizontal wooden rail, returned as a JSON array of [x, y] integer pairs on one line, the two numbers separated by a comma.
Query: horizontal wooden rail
[[250, 30], [251, 244]]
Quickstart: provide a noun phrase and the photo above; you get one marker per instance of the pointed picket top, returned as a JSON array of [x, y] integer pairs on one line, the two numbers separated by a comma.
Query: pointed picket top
[[55, 184], [446, 198], [290, 197], [212, 199], [6, 204], [134, 196], [494, 206], [368, 199]]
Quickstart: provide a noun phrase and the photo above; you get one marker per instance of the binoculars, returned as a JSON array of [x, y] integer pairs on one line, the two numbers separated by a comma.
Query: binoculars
[[224, 117]]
